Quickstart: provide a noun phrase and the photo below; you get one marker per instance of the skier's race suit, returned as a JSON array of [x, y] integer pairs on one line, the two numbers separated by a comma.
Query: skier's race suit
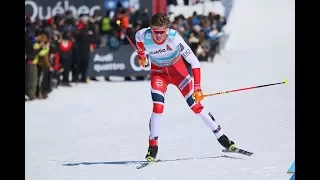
[[167, 67]]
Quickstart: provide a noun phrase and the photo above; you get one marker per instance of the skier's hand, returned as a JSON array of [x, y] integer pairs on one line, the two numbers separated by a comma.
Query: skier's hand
[[197, 94], [143, 61]]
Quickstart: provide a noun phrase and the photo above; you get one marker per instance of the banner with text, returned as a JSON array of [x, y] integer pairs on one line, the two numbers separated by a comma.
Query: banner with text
[[122, 62], [44, 9]]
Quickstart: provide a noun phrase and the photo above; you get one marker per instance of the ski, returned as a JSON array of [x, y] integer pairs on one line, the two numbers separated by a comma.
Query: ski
[[238, 150], [145, 164]]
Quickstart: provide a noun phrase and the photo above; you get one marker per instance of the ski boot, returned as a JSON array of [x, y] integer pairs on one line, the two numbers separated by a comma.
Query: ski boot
[[152, 150], [226, 143]]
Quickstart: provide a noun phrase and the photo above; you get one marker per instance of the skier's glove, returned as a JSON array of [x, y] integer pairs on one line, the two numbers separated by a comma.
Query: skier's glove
[[197, 94], [143, 61]]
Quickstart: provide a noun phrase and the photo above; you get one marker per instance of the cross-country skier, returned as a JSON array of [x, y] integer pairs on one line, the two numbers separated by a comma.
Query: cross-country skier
[[166, 49]]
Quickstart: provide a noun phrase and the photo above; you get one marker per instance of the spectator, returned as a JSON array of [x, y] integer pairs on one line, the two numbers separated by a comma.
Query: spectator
[[124, 19], [38, 66], [66, 52], [145, 18], [30, 54], [83, 49], [55, 59], [44, 67], [105, 28]]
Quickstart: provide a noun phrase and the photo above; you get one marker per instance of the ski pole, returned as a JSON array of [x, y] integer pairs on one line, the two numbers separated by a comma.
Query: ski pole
[[132, 45], [247, 88]]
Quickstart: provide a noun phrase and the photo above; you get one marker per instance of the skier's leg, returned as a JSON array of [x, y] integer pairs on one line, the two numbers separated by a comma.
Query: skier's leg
[[158, 89], [186, 88]]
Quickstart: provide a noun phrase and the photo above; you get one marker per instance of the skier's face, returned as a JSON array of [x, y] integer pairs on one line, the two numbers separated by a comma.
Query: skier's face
[[159, 33]]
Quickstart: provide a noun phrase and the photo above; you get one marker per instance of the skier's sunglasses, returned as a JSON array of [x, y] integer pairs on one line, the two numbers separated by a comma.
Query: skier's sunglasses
[[158, 31]]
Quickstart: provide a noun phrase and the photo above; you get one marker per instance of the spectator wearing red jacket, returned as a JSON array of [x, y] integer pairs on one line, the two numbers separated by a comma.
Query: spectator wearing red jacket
[[66, 52]]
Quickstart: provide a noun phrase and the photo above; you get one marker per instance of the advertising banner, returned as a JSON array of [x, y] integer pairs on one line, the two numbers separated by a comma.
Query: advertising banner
[[122, 62], [44, 9]]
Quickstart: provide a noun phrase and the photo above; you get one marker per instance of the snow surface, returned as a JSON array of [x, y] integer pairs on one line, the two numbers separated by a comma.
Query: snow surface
[[100, 131]]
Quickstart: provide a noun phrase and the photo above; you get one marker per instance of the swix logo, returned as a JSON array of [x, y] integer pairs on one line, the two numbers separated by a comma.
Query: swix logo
[[159, 82], [157, 52], [168, 48]]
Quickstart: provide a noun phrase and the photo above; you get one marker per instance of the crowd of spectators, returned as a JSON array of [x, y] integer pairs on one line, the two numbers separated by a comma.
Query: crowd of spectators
[[57, 49], [201, 33]]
